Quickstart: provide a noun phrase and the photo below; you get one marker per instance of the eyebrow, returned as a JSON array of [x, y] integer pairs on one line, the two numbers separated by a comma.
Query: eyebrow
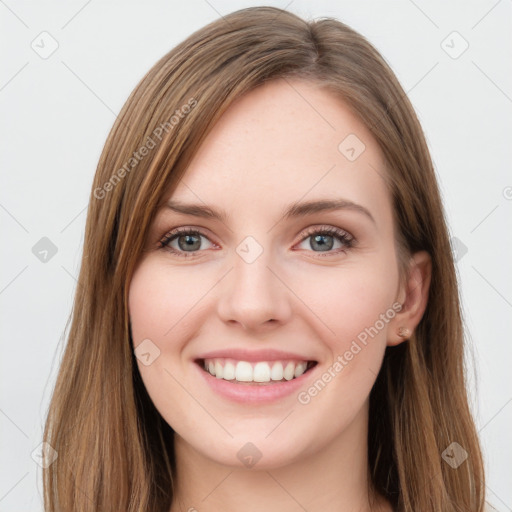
[[294, 210]]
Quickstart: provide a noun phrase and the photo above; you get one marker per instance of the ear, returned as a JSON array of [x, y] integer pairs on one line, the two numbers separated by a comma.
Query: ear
[[413, 296]]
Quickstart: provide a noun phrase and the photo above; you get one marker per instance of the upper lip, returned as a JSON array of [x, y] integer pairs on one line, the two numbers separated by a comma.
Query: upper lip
[[254, 355]]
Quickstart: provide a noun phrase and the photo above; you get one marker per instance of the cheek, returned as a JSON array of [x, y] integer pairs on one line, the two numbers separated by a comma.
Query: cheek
[[145, 302], [160, 311], [351, 299], [357, 305], [160, 302]]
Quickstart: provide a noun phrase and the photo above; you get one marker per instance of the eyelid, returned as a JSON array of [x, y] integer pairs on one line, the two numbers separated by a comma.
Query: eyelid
[[326, 228], [339, 233], [183, 230], [347, 239]]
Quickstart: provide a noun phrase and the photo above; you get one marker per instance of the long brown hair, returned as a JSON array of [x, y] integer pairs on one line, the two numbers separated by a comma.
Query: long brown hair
[[115, 451]]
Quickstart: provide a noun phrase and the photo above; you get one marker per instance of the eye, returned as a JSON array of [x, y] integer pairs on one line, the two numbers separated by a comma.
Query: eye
[[181, 241], [325, 238], [187, 242]]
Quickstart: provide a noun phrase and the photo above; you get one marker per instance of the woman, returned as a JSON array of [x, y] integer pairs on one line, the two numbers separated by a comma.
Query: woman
[[267, 315]]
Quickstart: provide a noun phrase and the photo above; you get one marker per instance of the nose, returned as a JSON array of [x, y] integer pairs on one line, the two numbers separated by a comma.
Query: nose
[[253, 295]]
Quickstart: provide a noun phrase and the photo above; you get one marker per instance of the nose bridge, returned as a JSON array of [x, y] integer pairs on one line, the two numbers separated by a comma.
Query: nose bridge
[[252, 294]]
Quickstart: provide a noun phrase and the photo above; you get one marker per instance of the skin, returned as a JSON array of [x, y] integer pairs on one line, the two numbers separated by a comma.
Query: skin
[[272, 148]]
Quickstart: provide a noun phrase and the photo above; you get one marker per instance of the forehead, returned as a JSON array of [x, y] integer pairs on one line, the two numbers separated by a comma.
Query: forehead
[[286, 141]]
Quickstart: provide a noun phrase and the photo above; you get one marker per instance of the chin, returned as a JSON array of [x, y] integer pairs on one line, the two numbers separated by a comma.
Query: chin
[[255, 452]]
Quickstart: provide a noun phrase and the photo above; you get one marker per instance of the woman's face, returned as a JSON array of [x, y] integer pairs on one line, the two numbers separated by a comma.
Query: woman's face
[[270, 286]]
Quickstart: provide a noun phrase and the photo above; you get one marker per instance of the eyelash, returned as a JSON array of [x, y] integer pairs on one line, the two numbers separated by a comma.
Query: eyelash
[[345, 238]]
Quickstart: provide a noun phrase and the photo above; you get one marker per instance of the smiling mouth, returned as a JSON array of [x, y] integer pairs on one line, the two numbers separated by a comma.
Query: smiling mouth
[[255, 373]]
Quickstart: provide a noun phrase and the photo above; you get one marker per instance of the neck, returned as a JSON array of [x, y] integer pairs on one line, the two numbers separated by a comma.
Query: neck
[[334, 478]]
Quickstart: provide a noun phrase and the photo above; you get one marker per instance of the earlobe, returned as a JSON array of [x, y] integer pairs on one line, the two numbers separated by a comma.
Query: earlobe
[[403, 332], [416, 292]]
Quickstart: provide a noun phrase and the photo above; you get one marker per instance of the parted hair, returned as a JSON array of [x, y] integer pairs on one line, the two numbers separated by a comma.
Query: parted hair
[[115, 451]]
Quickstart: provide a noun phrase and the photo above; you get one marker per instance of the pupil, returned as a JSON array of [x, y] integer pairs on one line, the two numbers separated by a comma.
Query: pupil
[[189, 244], [193, 242], [320, 240]]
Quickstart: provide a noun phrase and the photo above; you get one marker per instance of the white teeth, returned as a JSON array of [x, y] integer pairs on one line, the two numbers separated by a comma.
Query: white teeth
[[243, 371], [277, 371], [219, 371], [300, 369], [262, 371], [289, 371], [229, 371]]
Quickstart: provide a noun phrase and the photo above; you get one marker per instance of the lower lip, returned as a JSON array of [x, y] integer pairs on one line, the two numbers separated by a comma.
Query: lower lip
[[254, 393]]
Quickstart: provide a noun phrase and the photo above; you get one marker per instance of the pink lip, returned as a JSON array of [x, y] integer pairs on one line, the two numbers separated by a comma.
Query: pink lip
[[253, 392], [254, 355]]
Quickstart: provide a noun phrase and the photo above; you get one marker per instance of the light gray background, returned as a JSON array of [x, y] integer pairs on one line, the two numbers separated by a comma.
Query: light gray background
[[56, 114]]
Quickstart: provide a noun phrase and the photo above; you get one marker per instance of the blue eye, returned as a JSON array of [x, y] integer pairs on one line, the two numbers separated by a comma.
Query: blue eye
[[323, 240], [189, 241]]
